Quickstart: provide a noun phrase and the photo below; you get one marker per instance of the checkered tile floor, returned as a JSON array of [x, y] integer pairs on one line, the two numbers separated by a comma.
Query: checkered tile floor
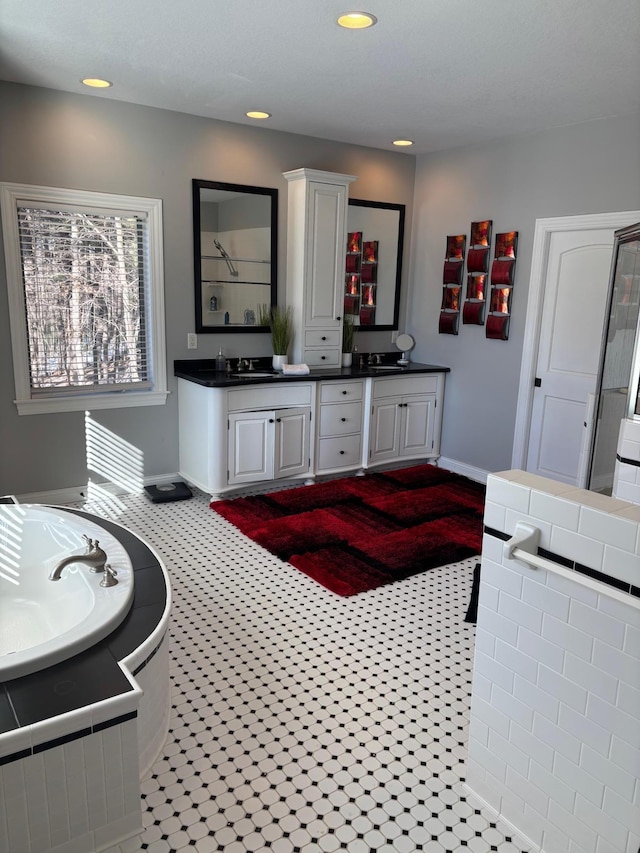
[[303, 722]]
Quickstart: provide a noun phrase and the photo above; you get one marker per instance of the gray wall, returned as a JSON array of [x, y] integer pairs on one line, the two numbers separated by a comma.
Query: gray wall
[[588, 168], [83, 142]]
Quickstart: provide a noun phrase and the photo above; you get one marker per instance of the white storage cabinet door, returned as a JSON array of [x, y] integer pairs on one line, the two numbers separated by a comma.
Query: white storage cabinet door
[[291, 442]]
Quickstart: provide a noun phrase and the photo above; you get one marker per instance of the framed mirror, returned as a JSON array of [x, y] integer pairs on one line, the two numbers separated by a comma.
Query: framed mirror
[[235, 240], [373, 268]]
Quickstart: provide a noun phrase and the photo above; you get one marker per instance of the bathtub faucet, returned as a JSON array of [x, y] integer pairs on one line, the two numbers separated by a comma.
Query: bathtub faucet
[[94, 557]]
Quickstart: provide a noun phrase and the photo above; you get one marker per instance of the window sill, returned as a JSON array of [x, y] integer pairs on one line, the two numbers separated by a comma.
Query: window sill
[[81, 403]]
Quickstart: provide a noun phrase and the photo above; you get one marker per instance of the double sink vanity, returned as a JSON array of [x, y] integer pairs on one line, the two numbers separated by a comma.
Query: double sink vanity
[[258, 426]]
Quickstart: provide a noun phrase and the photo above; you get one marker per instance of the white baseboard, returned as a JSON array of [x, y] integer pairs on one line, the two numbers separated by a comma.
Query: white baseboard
[[477, 800], [76, 494], [470, 471]]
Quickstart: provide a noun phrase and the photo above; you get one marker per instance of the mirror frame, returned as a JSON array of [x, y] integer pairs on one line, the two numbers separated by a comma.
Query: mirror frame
[[197, 185], [401, 209]]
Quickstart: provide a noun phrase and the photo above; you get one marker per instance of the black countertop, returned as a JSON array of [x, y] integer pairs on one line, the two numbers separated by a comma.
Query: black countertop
[[203, 372]]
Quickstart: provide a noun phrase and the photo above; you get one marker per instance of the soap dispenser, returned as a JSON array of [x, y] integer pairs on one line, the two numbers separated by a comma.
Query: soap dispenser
[[221, 362]]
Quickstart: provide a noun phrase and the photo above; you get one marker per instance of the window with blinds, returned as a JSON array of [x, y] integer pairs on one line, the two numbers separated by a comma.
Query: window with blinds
[[86, 296], [84, 289]]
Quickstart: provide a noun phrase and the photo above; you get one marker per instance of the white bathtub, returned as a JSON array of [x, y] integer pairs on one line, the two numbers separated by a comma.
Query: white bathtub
[[43, 622]]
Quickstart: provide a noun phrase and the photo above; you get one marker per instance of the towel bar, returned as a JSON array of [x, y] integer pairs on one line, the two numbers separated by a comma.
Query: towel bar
[[525, 539]]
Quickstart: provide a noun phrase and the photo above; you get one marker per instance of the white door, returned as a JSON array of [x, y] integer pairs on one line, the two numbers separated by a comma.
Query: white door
[[325, 255], [251, 446], [573, 310], [534, 442], [385, 429], [417, 426], [292, 442]]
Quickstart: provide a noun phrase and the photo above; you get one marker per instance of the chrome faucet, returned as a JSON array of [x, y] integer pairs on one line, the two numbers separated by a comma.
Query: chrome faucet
[[94, 557]]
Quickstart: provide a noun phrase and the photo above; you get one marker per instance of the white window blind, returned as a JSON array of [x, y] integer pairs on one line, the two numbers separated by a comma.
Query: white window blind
[[86, 298], [84, 288]]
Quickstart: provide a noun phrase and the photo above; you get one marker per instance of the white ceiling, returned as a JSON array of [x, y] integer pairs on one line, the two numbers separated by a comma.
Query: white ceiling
[[444, 73]]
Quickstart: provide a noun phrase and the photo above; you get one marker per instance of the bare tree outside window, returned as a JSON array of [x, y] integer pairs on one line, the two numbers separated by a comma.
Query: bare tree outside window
[[85, 287], [84, 298]]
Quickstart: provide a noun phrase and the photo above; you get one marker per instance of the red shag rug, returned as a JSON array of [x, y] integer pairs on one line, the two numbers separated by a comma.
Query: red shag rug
[[358, 533]]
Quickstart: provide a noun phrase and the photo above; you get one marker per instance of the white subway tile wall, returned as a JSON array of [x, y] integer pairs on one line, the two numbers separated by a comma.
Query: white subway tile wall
[[626, 479], [76, 796], [554, 738]]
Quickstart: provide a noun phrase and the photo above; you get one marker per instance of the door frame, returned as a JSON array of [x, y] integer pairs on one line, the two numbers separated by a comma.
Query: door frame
[[544, 229]]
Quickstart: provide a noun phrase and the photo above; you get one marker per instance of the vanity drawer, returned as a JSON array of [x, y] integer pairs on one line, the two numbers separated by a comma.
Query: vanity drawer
[[270, 396], [340, 392], [340, 420], [322, 338], [402, 385], [343, 452], [322, 357]]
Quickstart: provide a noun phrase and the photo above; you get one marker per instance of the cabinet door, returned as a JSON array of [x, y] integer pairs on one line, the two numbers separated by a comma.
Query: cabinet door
[[251, 436], [291, 442], [385, 429], [416, 437], [326, 237]]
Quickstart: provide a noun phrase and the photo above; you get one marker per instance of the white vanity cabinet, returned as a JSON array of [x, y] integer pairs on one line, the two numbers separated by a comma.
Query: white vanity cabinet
[[404, 422], [339, 425], [268, 445], [316, 242], [232, 436]]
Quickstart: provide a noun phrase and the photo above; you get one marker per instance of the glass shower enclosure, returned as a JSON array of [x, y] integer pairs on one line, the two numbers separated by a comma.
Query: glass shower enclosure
[[617, 391]]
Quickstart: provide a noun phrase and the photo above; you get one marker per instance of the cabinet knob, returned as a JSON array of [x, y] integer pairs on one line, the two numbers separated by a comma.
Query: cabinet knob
[[338, 318], [278, 420], [342, 453], [323, 338], [345, 392], [322, 357], [343, 420], [271, 420]]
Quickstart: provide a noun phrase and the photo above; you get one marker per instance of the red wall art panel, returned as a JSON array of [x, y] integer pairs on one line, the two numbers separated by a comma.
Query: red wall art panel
[[502, 278], [452, 284]]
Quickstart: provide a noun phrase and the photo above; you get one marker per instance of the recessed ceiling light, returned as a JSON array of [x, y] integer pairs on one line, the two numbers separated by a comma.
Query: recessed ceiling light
[[357, 20], [96, 83], [258, 114], [403, 142]]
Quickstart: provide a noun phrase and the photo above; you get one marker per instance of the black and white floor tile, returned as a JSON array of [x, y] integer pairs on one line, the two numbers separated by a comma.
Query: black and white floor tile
[[303, 722]]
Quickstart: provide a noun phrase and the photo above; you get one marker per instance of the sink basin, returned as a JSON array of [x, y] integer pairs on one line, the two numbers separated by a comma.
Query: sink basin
[[385, 367], [253, 374]]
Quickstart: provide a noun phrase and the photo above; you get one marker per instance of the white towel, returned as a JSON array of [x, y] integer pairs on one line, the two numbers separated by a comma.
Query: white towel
[[295, 369]]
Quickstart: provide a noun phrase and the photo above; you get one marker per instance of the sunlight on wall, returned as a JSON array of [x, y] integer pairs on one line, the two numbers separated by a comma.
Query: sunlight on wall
[[117, 465], [11, 536]]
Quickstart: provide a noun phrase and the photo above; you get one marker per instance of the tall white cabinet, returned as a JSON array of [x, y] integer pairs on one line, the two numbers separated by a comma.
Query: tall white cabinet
[[316, 240]]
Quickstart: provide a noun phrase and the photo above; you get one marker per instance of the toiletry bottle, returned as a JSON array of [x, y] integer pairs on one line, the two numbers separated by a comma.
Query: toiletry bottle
[[221, 362], [226, 318]]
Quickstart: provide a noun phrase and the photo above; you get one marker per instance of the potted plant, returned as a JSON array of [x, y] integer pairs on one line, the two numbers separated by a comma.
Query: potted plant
[[280, 322], [349, 330]]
